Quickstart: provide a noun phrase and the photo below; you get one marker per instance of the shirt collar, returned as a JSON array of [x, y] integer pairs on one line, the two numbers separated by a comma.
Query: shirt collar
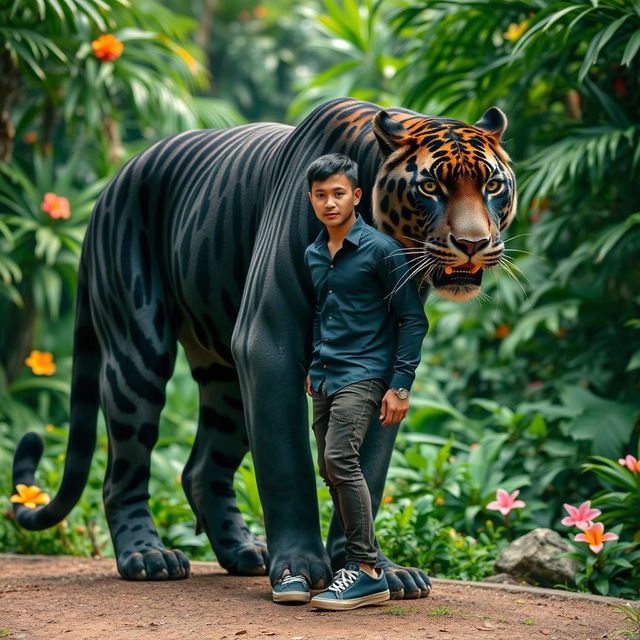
[[353, 236]]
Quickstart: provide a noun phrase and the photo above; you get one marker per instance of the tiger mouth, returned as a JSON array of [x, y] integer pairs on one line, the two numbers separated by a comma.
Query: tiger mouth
[[462, 274]]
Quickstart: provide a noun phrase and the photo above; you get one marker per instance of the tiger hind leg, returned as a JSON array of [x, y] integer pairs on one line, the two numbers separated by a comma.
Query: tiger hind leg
[[220, 445], [138, 353]]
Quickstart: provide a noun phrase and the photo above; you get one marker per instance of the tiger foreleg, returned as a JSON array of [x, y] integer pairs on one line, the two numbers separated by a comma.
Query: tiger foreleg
[[375, 455], [270, 364]]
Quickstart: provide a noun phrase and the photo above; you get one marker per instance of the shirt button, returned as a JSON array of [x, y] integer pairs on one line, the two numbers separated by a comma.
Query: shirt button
[[330, 290], [331, 266], [324, 366]]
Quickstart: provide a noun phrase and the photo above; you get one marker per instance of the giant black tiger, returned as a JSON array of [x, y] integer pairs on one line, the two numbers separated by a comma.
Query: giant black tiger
[[200, 239]]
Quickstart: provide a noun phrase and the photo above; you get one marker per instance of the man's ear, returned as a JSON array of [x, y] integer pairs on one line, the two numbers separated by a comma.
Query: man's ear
[[357, 195], [494, 122], [390, 133]]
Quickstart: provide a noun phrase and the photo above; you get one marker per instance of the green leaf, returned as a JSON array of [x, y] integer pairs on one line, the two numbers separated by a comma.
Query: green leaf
[[631, 49], [601, 583], [634, 362], [606, 423], [598, 43]]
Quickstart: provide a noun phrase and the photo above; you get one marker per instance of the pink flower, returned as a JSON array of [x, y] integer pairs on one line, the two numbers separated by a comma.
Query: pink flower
[[631, 463], [56, 206], [580, 516], [594, 536], [505, 502]]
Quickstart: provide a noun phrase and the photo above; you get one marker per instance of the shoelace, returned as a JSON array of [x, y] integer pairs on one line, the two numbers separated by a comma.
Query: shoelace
[[288, 579], [344, 578]]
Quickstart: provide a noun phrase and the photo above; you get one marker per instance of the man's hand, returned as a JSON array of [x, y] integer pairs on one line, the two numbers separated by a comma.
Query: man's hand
[[392, 409], [308, 388]]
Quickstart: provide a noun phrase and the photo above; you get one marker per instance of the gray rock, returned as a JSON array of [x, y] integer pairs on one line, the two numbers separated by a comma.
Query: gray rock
[[535, 557], [504, 578]]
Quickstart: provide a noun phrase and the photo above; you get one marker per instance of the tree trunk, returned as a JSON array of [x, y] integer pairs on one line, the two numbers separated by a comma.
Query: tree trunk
[[8, 89]]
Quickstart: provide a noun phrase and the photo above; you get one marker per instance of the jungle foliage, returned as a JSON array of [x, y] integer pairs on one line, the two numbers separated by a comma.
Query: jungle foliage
[[533, 388]]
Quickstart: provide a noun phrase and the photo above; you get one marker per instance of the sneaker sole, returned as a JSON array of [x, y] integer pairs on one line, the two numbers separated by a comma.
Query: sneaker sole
[[301, 597], [351, 603]]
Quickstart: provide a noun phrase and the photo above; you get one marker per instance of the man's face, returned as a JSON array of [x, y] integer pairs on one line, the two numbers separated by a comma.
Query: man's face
[[334, 200]]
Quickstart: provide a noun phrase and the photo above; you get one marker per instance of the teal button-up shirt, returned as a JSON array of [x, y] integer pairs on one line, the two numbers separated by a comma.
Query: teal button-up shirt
[[369, 320]]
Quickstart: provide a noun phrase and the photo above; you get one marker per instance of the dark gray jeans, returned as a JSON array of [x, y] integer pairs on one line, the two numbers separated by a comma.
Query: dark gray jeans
[[340, 423]]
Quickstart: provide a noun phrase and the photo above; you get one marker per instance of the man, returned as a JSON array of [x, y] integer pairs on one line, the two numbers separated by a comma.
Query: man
[[368, 329]]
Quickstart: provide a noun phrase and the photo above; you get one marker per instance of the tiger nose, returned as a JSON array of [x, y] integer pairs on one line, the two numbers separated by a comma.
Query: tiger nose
[[470, 247]]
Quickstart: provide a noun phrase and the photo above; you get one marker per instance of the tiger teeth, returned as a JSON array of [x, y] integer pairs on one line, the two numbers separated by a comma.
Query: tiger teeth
[[474, 269]]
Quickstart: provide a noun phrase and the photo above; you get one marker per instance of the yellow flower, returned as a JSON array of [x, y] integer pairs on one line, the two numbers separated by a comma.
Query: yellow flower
[[50, 428], [29, 496], [41, 363], [516, 30], [439, 500], [190, 61], [107, 47]]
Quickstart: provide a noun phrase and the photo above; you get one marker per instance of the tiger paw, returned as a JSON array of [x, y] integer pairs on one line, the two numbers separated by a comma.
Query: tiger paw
[[405, 583], [302, 561], [243, 559], [154, 564]]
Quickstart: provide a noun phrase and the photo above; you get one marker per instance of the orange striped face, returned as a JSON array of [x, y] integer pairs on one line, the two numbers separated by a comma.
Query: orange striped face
[[446, 192]]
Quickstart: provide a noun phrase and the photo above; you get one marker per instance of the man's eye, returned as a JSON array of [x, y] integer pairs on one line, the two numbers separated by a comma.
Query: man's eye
[[429, 187], [493, 186]]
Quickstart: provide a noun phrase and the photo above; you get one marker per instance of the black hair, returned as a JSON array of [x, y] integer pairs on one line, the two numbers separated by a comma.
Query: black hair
[[328, 165]]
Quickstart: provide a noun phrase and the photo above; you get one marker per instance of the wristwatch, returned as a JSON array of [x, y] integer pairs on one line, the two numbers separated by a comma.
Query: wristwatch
[[403, 394]]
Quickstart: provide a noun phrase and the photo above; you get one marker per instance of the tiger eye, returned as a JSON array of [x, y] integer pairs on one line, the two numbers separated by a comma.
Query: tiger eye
[[493, 185], [430, 186]]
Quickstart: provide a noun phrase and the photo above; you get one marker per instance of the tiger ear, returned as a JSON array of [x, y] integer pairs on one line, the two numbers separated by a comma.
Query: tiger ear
[[389, 132], [493, 121]]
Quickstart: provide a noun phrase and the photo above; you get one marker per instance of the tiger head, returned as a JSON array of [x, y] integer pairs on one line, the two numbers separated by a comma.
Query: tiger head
[[446, 192]]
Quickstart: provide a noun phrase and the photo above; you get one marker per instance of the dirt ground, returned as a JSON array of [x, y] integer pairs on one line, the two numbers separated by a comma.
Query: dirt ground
[[50, 597]]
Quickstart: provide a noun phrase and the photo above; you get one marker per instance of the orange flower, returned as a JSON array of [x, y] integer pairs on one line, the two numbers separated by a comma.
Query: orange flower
[[439, 500], [29, 496], [107, 47], [515, 30], [595, 536], [50, 428], [474, 445], [387, 499], [631, 463], [502, 331], [41, 363], [30, 137], [56, 206], [260, 12]]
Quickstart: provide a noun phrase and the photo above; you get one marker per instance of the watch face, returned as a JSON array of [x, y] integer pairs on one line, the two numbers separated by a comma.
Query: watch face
[[403, 394]]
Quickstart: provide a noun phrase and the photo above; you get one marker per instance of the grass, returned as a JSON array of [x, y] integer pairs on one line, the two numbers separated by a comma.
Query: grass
[[631, 614], [396, 610], [440, 611]]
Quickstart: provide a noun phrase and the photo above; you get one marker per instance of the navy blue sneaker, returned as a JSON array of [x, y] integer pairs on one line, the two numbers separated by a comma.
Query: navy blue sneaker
[[291, 589], [352, 588]]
